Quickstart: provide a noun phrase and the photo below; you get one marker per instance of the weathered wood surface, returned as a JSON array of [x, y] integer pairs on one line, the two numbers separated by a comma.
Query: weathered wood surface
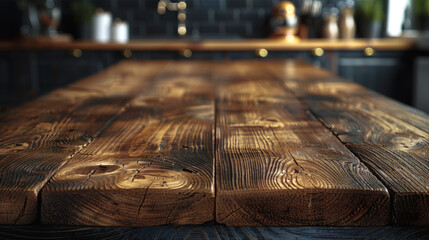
[[215, 232], [153, 165], [37, 138], [277, 165], [134, 146], [390, 138]]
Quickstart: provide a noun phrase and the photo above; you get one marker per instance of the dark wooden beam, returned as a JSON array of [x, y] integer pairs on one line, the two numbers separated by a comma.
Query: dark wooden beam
[[390, 138], [276, 165], [152, 166], [39, 137]]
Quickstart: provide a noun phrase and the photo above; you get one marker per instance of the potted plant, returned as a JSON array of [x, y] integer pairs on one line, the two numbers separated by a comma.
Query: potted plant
[[370, 16], [83, 12], [421, 10]]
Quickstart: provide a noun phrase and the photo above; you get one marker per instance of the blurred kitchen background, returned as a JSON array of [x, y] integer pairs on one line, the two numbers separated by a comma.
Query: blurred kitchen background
[[381, 44]]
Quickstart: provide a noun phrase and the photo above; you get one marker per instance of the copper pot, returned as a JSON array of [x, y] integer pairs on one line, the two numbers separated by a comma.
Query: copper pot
[[284, 22]]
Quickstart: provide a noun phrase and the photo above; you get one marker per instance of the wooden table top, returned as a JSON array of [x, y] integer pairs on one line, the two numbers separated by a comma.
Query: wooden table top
[[217, 45], [239, 143]]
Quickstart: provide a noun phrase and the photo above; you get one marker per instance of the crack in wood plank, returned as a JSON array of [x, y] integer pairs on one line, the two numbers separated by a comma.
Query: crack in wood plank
[[144, 165], [229, 214], [91, 173], [144, 198], [281, 146]]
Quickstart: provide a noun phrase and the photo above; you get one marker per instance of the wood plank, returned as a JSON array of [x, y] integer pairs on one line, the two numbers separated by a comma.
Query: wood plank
[[153, 165], [212, 232], [390, 138], [277, 165], [37, 138], [390, 106]]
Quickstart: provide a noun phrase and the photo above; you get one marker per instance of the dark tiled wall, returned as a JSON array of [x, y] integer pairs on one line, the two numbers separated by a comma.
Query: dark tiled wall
[[205, 18]]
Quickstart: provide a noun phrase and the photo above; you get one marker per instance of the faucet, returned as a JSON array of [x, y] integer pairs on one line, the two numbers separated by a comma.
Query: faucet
[[180, 7]]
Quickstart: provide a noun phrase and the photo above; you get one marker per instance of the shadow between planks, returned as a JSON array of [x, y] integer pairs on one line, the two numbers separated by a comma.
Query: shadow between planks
[[244, 143]]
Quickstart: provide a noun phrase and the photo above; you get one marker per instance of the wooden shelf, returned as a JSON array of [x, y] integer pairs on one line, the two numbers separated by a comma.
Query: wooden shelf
[[216, 45]]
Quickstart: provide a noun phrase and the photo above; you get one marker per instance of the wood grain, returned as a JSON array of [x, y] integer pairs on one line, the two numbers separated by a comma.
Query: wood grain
[[153, 165], [37, 138], [390, 138], [294, 145], [277, 165], [211, 232]]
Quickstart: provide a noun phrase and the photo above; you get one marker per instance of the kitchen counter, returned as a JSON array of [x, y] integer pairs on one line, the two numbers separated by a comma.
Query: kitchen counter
[[216, 45], [241, 143]]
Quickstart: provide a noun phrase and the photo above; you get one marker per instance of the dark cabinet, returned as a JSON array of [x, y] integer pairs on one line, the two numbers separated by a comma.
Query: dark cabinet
[[201, 55], [4, 72], [59, 68], [4, 79], [326, 59], [143, 55], [36, 72], [389, 73], [167, 55], [421, 84]]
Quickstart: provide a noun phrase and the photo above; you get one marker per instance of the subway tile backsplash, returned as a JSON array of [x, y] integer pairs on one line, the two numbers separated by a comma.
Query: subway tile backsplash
[[205, 18]]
